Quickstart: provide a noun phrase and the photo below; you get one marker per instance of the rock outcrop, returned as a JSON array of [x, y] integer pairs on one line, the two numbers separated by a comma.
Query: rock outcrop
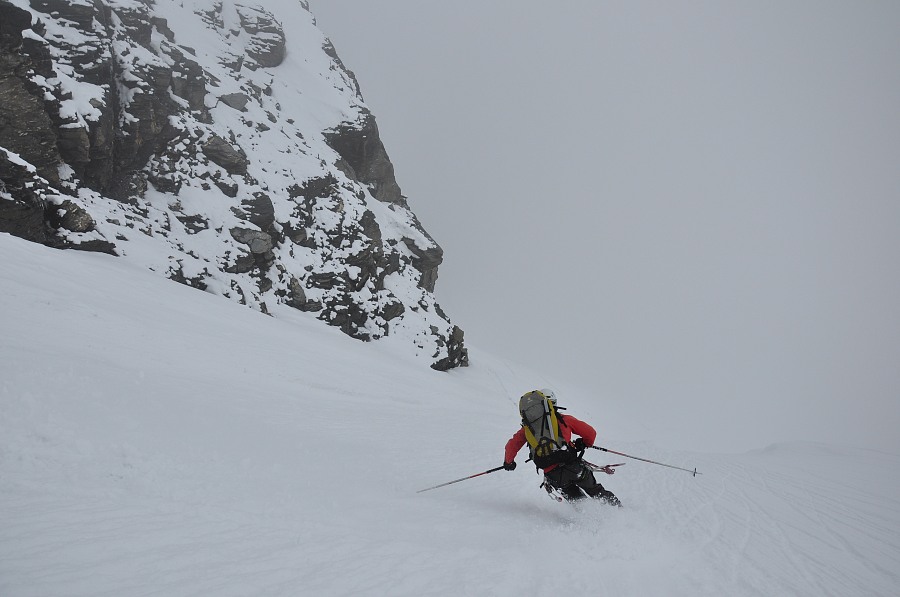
[[175, 134]]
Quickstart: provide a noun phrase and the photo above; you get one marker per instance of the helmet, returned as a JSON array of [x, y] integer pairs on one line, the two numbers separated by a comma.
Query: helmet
[[550, 394]]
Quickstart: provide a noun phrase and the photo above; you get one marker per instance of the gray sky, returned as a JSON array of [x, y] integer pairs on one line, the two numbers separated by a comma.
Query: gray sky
[[693, 207]]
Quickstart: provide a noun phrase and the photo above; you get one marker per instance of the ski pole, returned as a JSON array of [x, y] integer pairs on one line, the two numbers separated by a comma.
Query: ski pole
[[493, 470], [694, 472]]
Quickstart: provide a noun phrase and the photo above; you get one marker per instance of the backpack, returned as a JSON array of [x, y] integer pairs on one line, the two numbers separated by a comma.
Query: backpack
[[541, 422]]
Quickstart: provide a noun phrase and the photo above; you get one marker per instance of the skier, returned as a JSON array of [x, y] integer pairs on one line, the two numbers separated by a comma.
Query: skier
[[569, 474]]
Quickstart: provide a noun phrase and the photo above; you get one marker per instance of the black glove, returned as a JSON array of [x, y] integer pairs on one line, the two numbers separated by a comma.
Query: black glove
[[510, 466], [579, 444]]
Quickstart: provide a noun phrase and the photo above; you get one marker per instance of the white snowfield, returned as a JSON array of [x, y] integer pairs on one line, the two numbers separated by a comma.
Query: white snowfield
[[157, 440]]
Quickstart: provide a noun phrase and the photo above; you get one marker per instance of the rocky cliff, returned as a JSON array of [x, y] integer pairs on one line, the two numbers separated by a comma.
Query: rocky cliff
[[221, 144]]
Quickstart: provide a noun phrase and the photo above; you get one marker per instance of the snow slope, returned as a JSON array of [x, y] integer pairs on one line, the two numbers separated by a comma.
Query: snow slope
[[156, 440]]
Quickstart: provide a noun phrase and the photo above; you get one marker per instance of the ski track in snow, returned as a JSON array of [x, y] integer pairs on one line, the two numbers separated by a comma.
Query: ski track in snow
[[156, 440]]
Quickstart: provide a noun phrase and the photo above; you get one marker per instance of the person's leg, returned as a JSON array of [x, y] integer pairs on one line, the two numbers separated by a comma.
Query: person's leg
[[593, 488], [565, 478], [572, 492]]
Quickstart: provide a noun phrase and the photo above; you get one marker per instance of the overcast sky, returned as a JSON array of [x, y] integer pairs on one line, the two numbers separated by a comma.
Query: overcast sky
[[693, 207]]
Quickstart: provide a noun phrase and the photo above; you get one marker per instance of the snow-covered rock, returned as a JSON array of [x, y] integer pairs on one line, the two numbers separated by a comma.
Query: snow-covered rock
[[223, 145]]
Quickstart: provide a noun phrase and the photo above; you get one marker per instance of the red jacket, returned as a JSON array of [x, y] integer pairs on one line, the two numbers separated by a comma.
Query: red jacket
[[568, 425]]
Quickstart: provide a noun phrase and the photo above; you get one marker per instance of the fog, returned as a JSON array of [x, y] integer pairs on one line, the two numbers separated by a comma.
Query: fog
[[692, 208]]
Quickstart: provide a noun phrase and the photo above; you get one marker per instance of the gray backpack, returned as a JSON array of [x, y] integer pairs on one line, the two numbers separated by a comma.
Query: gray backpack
[[541, 423]]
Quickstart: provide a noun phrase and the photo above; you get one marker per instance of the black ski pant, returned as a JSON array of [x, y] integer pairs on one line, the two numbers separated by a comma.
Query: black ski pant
[[575, 479]]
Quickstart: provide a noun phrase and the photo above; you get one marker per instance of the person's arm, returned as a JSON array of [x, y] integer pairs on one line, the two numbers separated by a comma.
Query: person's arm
[[514, 444], [587, 433]]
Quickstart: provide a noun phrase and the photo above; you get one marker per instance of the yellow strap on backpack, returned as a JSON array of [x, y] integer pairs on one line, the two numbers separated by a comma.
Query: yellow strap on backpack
[[554, 424]]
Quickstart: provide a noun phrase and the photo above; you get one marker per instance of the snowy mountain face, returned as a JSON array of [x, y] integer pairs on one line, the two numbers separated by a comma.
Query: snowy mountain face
[[223, 145]]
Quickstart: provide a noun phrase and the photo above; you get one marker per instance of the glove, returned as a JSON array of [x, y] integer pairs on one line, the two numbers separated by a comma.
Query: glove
[[510, 466], [579, 444]]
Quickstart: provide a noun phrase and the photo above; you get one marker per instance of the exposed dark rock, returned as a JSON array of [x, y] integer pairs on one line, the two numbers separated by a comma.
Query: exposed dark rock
[[194, 223], [94, 246], [267, 43], [256, 241], [99, 173], [361, 149], [259, 210], [392, 310], [125, 186], [297, 298], [349, 317], [457, 355], [213, 16], [74, 145], [427, 262], [221, 152], [228, 187], [136, 22], [22, 208], [328, 47], [26, 212], [25, 126], [242, 264], [297, 235], [370, 227], [264, 261], [188, 82], [198, 282], [81, 14], [147, 134], [72, 217], [163, 27], [13, 21], [165, 182], [366, 261], [238, 101], [314, 306], [23, 217], [314, 188], [325, 280]]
